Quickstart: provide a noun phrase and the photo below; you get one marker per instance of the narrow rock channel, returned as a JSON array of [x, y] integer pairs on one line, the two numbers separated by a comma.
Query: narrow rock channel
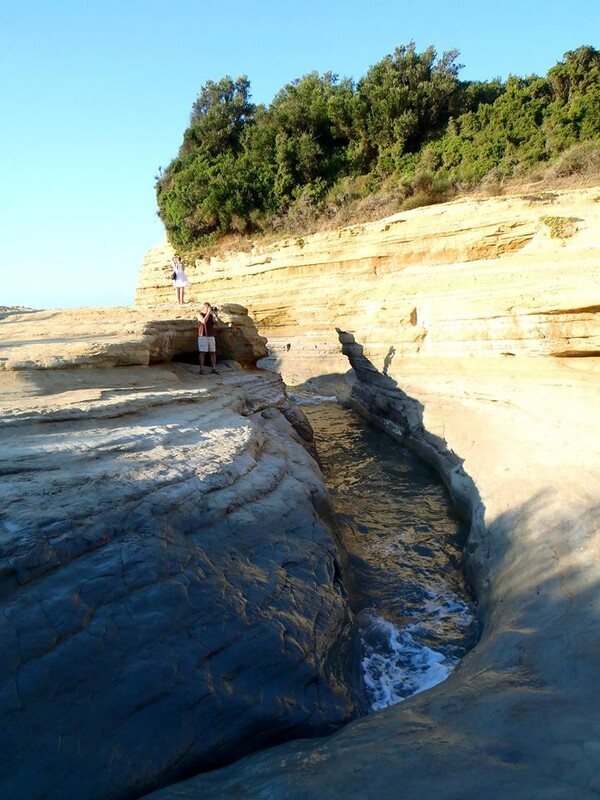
[[404, 567]]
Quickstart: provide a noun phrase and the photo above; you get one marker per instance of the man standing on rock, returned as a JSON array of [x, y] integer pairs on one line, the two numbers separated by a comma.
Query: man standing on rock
[[206, 340]]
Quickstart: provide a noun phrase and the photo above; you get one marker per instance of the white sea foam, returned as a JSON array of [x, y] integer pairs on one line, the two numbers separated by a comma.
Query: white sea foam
[[395, 665], [443, 605], [312, 399]]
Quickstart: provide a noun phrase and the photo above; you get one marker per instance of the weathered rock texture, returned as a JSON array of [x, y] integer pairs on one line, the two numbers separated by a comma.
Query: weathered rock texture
[[169, 587], [115, 337], [130, 492], [508, 275], [517, 440], [453, 318]]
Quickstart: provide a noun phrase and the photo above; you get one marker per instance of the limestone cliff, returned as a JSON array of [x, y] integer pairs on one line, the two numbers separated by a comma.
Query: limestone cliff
[[513, 275], [519, 717], [170, 593], [431, 305]]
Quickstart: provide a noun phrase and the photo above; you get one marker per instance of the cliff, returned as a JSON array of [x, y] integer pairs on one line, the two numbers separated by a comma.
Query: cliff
[[518, 441], [169, 583], [171, 594], [472, 329], [514, 275]]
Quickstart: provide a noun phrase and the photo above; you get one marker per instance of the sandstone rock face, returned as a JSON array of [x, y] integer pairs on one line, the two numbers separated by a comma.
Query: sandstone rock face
[[169, 587], [509, 275], [473, 330], [116, 337], [518, 441], [156, 530]]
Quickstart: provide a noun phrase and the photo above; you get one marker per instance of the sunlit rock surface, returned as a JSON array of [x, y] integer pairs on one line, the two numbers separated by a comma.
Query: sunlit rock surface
[[169, 588], [115, 337], [479, 276], [454, 318], [474, 332], [518, 440]]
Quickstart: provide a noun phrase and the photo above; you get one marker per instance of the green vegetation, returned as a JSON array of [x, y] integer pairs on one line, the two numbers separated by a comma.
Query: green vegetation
[[561, 227], [409, 133]]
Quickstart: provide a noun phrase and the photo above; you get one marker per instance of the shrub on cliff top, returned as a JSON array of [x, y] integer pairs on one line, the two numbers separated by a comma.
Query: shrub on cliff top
[[408, 133]]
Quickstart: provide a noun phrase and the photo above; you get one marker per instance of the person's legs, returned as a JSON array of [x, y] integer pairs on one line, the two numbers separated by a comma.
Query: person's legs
[[212, 349], [202, 348]]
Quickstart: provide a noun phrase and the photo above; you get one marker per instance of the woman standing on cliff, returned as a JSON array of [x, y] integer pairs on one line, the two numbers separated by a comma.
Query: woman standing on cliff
[[179, 279]]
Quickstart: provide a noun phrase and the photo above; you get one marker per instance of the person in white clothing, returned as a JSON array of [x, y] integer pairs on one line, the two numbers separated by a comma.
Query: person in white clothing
[[179, 279]]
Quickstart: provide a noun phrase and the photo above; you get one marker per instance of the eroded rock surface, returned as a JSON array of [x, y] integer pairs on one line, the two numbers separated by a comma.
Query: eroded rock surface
[[478, 276], [517, 440], [474, 331], [114, 337], [169, 587]]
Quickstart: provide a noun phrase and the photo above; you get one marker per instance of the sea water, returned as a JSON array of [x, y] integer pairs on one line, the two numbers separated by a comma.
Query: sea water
[[415, 614]]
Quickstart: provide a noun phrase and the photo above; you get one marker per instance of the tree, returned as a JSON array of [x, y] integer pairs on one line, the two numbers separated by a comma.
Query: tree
[[574, 114], [311, 121], [403, 100], [204, 187], [576, 75], [219, 117]]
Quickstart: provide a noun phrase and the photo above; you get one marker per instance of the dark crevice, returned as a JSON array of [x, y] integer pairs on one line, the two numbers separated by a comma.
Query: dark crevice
[[559, 311], [576, 354]]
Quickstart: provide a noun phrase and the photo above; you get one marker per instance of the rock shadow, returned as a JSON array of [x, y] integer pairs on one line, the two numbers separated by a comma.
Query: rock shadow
[[169, 587], [379, 397], [518, 718]]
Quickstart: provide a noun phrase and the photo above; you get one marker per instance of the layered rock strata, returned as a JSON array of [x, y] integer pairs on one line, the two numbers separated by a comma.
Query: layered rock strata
[[516, 438], [473, 330], [518, 442], [118, 337], [513, 275], [169, 587]]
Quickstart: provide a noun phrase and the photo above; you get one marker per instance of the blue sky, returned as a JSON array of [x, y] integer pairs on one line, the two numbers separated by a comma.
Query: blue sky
[[96, 95]]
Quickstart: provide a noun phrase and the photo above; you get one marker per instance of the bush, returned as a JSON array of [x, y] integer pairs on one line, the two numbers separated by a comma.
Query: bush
[[407, 134], [561, 227], [582, 160]]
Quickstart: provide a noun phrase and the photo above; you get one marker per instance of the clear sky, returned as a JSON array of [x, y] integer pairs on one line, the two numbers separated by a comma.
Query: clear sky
[[95, 96]]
